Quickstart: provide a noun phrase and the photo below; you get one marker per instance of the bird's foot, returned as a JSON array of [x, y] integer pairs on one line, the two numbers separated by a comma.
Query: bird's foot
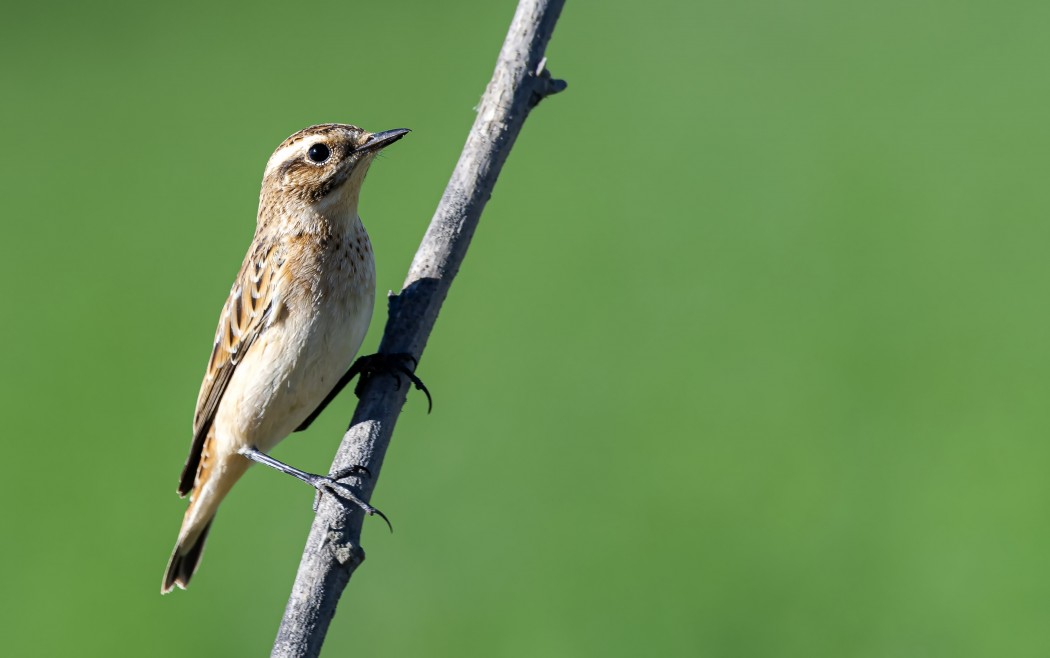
[[392, 364], [368, 367], [331, 485]]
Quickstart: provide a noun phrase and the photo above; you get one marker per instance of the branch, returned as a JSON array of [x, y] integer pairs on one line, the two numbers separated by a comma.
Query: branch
[[333, 550]]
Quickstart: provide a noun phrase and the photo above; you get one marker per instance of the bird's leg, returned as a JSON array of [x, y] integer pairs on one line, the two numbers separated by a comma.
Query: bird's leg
[[323, 483], [368, 367]]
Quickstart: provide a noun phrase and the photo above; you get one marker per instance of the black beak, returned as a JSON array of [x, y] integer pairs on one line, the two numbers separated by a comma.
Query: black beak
[[379, 141]]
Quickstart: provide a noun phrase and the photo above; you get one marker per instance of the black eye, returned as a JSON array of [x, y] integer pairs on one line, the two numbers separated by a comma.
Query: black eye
[[318, 153]]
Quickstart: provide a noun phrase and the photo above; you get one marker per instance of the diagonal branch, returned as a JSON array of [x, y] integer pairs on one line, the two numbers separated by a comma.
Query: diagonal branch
[[333, 549]]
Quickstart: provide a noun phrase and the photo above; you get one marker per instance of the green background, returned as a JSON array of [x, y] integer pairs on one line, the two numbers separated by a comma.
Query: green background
[[748, 357]]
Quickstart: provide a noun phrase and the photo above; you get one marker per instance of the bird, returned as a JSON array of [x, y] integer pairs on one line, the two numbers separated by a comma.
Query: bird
[[288, 333]]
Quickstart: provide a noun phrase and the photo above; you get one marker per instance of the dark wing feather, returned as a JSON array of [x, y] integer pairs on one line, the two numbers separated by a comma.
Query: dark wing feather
[[253, 303]]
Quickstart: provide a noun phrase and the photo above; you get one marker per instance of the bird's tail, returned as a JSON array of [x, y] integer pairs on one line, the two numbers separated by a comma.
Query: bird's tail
[[215, 476], [184, 559]]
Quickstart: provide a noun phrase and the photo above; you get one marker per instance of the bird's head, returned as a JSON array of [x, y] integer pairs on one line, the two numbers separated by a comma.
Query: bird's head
[[325, 164]]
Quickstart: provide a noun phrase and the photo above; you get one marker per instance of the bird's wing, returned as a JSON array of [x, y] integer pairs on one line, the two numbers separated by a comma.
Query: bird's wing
[[253, 304]]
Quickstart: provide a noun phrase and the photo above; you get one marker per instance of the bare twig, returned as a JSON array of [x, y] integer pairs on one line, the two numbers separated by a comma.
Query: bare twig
[[333, 548]]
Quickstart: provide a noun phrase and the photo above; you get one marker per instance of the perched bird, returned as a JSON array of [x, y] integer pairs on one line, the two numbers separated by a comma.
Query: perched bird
[[295, 318]]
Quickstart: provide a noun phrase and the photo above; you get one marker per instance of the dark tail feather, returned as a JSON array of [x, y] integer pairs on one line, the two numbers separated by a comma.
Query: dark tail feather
[[183, 562]]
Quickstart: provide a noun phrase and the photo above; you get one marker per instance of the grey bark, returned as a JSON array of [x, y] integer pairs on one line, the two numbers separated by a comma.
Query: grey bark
[[333, 550]]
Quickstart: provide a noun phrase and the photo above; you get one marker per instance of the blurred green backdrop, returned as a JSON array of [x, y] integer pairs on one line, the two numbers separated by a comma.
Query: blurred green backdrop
[[748, 357]]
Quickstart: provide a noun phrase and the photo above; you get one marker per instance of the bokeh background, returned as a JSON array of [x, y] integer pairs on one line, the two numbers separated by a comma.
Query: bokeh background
[[748, 357]]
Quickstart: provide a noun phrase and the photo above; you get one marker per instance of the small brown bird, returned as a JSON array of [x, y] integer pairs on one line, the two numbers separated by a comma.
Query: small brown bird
[[294, 320]]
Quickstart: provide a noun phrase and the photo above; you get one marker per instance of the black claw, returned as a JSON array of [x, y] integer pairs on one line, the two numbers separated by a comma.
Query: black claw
[[339, 491], [352, 470], [382, 516], [365, 507], [420, 386]]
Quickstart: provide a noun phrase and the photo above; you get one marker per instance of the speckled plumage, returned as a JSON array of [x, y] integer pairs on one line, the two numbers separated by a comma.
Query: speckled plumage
[[291, 326]]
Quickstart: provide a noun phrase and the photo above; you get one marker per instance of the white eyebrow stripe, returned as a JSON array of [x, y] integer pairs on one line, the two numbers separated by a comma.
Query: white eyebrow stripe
[[286, 153]]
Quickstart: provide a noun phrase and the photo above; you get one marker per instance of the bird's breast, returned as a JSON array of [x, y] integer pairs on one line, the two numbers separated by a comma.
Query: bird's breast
[[336, 309], [328, 297]]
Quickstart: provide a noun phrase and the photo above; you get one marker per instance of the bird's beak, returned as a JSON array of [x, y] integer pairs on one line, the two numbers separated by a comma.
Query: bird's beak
[[379, 141]]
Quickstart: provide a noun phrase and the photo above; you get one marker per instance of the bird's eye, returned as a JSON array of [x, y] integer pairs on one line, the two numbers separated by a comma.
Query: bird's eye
[[318, 153]]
